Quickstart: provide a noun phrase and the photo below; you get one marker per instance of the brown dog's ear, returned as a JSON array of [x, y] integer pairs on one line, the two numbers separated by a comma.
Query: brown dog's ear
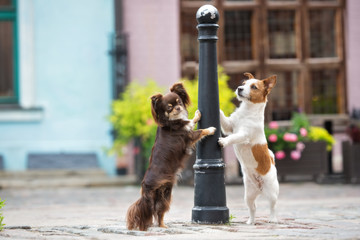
[[155, 103], [269, 83], [179, 89]]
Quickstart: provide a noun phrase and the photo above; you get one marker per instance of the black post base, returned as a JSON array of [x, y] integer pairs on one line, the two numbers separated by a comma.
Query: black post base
[[210, 197], [210, 215]]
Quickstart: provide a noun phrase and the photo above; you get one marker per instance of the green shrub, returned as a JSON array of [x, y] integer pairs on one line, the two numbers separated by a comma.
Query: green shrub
[[321, 134], [226, 94], [131, 113], [291, 138], [2, 204]]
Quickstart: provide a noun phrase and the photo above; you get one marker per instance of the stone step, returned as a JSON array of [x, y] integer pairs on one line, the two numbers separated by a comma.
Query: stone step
[[62, 178]]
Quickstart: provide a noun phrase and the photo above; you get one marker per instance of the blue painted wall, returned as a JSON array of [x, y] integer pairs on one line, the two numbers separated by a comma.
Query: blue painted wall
[[72, 84]]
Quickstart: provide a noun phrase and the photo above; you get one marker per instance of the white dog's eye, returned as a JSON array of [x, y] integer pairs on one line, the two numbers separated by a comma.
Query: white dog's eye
[[253, 87]]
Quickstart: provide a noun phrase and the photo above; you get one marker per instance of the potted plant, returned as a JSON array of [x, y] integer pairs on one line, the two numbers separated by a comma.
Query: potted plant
[[132, 120], [300, 149], [351, 153]]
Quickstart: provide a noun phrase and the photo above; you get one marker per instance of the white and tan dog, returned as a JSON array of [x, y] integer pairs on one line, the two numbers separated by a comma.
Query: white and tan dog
[[245, 130]]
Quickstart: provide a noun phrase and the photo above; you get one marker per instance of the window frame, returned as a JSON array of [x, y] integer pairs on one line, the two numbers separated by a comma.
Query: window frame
[[10, 14], [262, 64]]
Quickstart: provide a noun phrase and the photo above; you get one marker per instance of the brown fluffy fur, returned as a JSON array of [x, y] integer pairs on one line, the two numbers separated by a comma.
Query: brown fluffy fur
[[173, 143]]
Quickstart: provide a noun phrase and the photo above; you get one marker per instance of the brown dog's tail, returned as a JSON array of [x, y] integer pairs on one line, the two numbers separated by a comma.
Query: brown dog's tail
[[140, 214]]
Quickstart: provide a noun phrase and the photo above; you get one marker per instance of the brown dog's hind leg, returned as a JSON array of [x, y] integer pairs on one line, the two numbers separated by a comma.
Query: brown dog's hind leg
[[162, 204]]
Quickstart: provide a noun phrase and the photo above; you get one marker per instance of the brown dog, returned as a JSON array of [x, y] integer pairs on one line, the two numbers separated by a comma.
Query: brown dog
[[175, 139]]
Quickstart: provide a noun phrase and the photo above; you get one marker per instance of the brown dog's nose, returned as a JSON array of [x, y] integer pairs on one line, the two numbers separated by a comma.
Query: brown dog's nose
[[239, 90], [177, 108]]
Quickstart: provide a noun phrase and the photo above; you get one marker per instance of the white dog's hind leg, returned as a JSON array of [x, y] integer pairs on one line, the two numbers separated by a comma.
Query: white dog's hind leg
[[271, 193], [251, 194], [272, 201]]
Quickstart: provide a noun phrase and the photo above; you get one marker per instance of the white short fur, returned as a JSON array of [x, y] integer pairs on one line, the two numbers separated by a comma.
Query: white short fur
[[245, 128]]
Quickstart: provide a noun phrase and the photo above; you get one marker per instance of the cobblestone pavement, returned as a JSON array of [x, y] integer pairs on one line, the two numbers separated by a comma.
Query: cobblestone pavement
[[305, 211]]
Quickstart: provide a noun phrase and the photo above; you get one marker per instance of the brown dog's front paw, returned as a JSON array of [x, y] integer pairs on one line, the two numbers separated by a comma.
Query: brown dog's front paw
[[197, 116], [211, 130]]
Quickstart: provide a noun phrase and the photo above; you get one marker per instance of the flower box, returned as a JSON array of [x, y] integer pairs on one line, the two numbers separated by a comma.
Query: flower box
[[313, 162], [351, 161]]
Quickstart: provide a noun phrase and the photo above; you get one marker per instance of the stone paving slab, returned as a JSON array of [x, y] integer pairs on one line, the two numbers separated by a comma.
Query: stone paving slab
[[305, 211]]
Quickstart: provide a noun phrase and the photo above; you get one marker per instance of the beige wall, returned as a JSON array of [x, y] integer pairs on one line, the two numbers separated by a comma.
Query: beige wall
[[153, 37], [353, 53]]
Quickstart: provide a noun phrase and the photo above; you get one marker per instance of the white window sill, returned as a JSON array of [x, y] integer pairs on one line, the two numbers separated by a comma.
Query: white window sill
[[18, 114]]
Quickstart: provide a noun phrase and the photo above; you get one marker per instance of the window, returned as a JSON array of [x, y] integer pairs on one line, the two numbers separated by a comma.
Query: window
[[8, 52], [238, 35], [281, 30], [301, 41], [322, 33]]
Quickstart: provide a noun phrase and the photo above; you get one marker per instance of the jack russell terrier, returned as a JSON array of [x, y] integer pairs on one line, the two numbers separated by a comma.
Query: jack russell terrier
[[245, 130]]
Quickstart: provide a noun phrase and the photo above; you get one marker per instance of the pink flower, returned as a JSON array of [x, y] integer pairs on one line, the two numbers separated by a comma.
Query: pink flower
[[290, 137], [303, 132], [273, 138], [273, 125], [280, 155], [295, 155], [300, 146], [149, 122]]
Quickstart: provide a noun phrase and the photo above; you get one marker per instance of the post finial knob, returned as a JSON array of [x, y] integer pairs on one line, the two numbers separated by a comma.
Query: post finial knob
[[207, 14]]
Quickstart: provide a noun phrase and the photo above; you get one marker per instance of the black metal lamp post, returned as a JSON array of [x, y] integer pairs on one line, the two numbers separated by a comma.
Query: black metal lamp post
[[210, 197]]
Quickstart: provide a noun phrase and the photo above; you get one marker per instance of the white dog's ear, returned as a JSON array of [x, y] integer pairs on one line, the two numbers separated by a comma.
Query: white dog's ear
[[249, 75], [269, 82]]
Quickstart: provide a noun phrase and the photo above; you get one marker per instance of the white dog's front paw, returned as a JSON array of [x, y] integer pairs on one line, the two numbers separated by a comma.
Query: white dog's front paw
[[211, 130], [246, 141], [223, 142]]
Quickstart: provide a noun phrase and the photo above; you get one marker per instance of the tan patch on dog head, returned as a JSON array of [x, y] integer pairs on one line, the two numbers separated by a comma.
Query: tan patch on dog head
[[257, 92], [262, 156], [260, 89]]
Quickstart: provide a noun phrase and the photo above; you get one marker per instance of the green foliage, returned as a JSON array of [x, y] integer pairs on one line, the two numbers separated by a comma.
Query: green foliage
[[131, 113], [2, 204], [298, 121], [231, 218], [300, 130], [321, 134], [280, 144], [226, 94]]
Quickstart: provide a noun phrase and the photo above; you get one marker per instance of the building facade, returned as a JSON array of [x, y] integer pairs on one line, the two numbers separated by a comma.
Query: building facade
[[309, 44], [55, 84], [56, 73]]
